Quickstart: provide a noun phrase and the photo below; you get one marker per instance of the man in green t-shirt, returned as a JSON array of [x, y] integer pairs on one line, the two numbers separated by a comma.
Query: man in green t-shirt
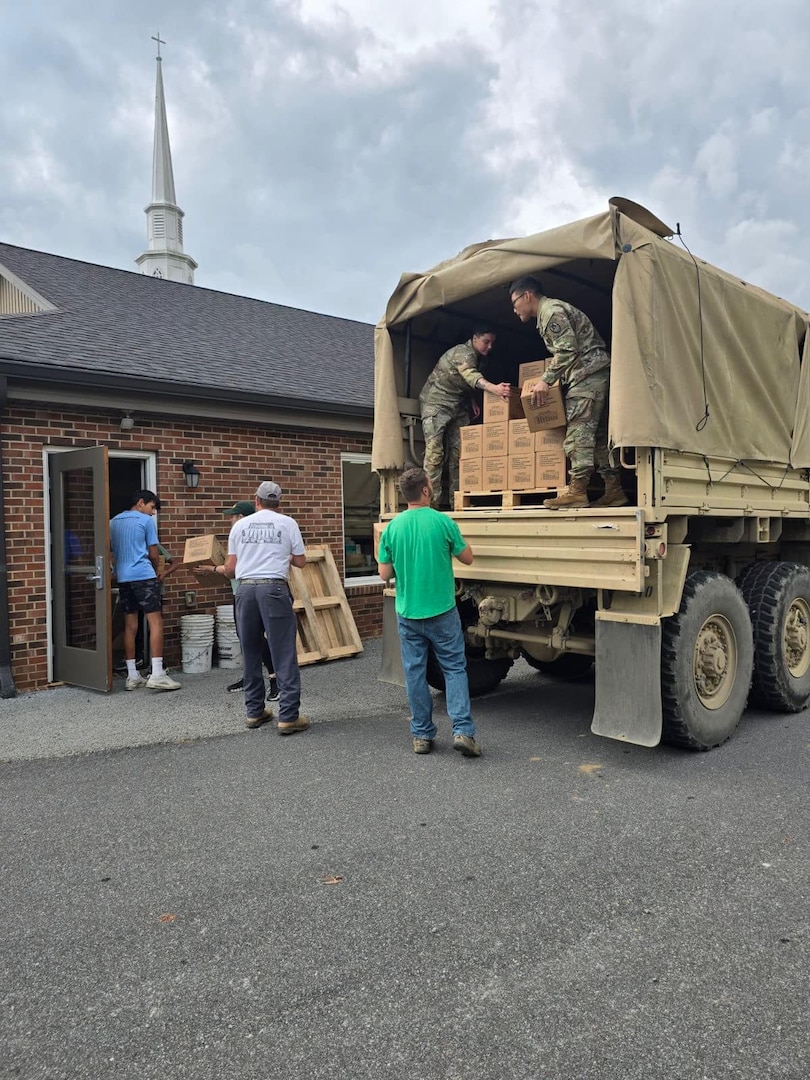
[[417, 549]]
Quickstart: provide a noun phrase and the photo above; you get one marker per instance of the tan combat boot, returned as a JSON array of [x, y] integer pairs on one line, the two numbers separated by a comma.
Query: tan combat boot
[[614, 496], [576, 495]]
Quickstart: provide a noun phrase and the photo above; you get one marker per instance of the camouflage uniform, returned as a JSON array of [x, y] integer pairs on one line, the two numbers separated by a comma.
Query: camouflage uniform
[[444, 402], [581, 364]]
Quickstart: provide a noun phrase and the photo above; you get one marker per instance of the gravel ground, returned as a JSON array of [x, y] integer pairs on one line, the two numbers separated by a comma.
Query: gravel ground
[[68, 720]]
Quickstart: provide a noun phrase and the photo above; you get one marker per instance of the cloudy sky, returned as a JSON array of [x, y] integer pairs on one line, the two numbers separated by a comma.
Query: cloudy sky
[[321, 149]]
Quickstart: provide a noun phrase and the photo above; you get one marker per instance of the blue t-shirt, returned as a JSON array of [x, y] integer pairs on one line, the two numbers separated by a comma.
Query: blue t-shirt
[[131, 535]]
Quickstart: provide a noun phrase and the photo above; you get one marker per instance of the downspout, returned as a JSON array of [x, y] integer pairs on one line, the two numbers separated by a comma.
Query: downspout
[[7, 687]]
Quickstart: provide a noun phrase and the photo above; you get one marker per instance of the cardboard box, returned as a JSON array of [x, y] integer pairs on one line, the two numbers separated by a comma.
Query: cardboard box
[[549, 439], [533, 370], [521, 440], [472, 441], [521, 471], [497, 410], [549, 469], [204, 549], [496, 439], [470, 474], [495, 473], [550, 415]]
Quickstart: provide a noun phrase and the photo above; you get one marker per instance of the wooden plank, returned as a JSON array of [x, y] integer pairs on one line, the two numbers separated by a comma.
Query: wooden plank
[[502, 500], [326, 626], [348, 625]]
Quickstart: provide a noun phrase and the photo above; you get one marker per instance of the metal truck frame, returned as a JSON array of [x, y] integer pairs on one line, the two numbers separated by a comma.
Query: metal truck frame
[[696, 595]]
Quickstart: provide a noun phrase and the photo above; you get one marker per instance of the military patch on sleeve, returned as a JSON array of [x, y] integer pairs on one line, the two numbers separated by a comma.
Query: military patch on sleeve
[[554, 327]]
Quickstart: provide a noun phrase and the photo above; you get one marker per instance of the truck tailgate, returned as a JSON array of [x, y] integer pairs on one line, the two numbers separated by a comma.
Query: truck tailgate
[[596, 549]]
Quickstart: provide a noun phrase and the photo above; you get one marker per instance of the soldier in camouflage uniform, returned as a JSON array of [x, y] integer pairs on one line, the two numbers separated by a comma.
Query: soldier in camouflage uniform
[[581, 364], [445, 405]]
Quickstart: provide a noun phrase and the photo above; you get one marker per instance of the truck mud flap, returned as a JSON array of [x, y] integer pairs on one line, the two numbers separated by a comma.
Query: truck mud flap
[[628, 682], [391, 666]]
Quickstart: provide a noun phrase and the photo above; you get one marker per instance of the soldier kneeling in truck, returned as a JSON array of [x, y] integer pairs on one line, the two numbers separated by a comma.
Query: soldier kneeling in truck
[[581, 363]]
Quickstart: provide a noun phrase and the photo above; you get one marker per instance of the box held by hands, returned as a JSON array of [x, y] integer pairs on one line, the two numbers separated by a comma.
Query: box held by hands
[[204, 549], [550, 415]]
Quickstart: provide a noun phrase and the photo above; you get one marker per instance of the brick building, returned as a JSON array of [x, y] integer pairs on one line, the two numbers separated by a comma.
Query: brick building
[[163, 375]]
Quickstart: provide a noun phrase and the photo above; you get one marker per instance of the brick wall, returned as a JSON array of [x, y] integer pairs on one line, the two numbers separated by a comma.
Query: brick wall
[[230, 457]]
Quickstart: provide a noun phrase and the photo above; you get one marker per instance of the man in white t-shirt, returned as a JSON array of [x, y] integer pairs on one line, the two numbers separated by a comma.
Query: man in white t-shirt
[[260, 550]]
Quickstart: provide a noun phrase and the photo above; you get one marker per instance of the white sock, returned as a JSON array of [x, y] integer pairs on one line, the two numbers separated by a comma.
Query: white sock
[[132, 671], [157, 666]]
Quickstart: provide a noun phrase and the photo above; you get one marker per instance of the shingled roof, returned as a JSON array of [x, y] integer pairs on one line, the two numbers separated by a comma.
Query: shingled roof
[[116, 327]]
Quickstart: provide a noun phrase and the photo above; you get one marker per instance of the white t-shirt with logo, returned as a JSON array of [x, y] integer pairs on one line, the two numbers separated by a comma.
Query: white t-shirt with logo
[[263, 544]]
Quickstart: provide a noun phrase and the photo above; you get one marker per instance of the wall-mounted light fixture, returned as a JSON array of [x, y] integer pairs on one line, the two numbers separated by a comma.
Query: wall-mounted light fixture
[[127, 423], [191, 474]]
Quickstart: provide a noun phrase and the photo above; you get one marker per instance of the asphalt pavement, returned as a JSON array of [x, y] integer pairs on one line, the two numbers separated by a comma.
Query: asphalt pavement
[[184, 898]]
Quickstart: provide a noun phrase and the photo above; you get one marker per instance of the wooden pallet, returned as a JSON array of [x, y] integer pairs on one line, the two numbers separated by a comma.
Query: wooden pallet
[[502, 500], [326, 626]]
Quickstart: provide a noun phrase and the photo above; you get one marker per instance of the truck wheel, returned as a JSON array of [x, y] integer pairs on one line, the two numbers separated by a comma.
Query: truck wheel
[[568, 666], [482, 675], [707, 659], [778, 598]]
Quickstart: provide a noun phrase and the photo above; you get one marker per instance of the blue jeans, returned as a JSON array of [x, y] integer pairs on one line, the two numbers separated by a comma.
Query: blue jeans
[[266, 608], [444, 634]]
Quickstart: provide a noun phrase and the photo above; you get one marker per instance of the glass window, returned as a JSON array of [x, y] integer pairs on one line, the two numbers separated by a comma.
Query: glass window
[[361, 508]]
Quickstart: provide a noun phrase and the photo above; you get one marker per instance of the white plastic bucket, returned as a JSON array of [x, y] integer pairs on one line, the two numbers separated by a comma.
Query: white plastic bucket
[[196, 657], [197, 642], [229, 651]]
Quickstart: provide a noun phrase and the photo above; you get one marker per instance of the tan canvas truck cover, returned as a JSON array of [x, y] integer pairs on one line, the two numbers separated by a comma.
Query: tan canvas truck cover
[[686, 338]]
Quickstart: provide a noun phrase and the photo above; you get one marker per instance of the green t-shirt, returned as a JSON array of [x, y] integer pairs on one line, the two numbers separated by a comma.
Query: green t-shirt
[[421, 543]]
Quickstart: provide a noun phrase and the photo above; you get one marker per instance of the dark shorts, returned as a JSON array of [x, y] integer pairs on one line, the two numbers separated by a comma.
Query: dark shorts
[[135, 596]]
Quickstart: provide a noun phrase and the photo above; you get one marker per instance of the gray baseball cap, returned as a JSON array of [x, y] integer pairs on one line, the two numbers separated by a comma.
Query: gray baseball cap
[[268, 490]]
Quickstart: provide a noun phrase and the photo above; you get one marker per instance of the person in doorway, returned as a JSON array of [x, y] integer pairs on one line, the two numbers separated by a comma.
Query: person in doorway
[[134, 545], [261, 547], [241, 509], [445, 403], [580, 363], [417, 549]]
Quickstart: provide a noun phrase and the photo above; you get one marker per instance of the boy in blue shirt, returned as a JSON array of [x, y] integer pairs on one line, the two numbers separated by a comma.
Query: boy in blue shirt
[[135, 551]]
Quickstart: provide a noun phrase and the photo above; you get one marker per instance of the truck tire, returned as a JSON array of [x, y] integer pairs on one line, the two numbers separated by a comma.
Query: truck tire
[[778, 598], [707, 659], [569, 666], [482, 675]]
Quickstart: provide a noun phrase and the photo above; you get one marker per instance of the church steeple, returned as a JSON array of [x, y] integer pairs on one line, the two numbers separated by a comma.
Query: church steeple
[[164, 256]]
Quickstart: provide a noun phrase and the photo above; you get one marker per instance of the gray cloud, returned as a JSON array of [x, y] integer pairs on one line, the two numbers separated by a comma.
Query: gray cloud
[[321, 152], [303, 180]]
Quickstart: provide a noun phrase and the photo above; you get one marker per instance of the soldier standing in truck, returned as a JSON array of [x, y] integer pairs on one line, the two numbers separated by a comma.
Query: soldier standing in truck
[[581, 364], [445, 405]]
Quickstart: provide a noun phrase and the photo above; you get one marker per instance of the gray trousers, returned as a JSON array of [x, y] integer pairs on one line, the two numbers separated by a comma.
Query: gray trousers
[[267, 607]]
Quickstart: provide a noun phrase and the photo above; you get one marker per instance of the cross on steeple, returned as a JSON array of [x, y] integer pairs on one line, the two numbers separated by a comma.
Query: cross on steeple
[[160, 42]]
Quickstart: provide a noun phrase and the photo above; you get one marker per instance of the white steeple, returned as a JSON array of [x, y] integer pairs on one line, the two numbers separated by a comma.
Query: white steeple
[[164, 256]]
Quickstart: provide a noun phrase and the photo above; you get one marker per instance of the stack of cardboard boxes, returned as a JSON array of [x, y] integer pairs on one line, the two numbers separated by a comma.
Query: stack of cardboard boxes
[[519, 447]]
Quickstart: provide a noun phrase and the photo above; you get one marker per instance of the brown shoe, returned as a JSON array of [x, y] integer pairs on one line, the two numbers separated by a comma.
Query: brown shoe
[[614, 493], [301, 724], [466, 745], [257, 721], [576, 497]]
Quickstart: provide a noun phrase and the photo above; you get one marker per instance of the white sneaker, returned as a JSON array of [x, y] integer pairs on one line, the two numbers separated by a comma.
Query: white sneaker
[[136, 683], [161, 682]]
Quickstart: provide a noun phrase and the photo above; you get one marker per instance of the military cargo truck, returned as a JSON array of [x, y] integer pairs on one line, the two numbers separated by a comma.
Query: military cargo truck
[[695, 596]]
